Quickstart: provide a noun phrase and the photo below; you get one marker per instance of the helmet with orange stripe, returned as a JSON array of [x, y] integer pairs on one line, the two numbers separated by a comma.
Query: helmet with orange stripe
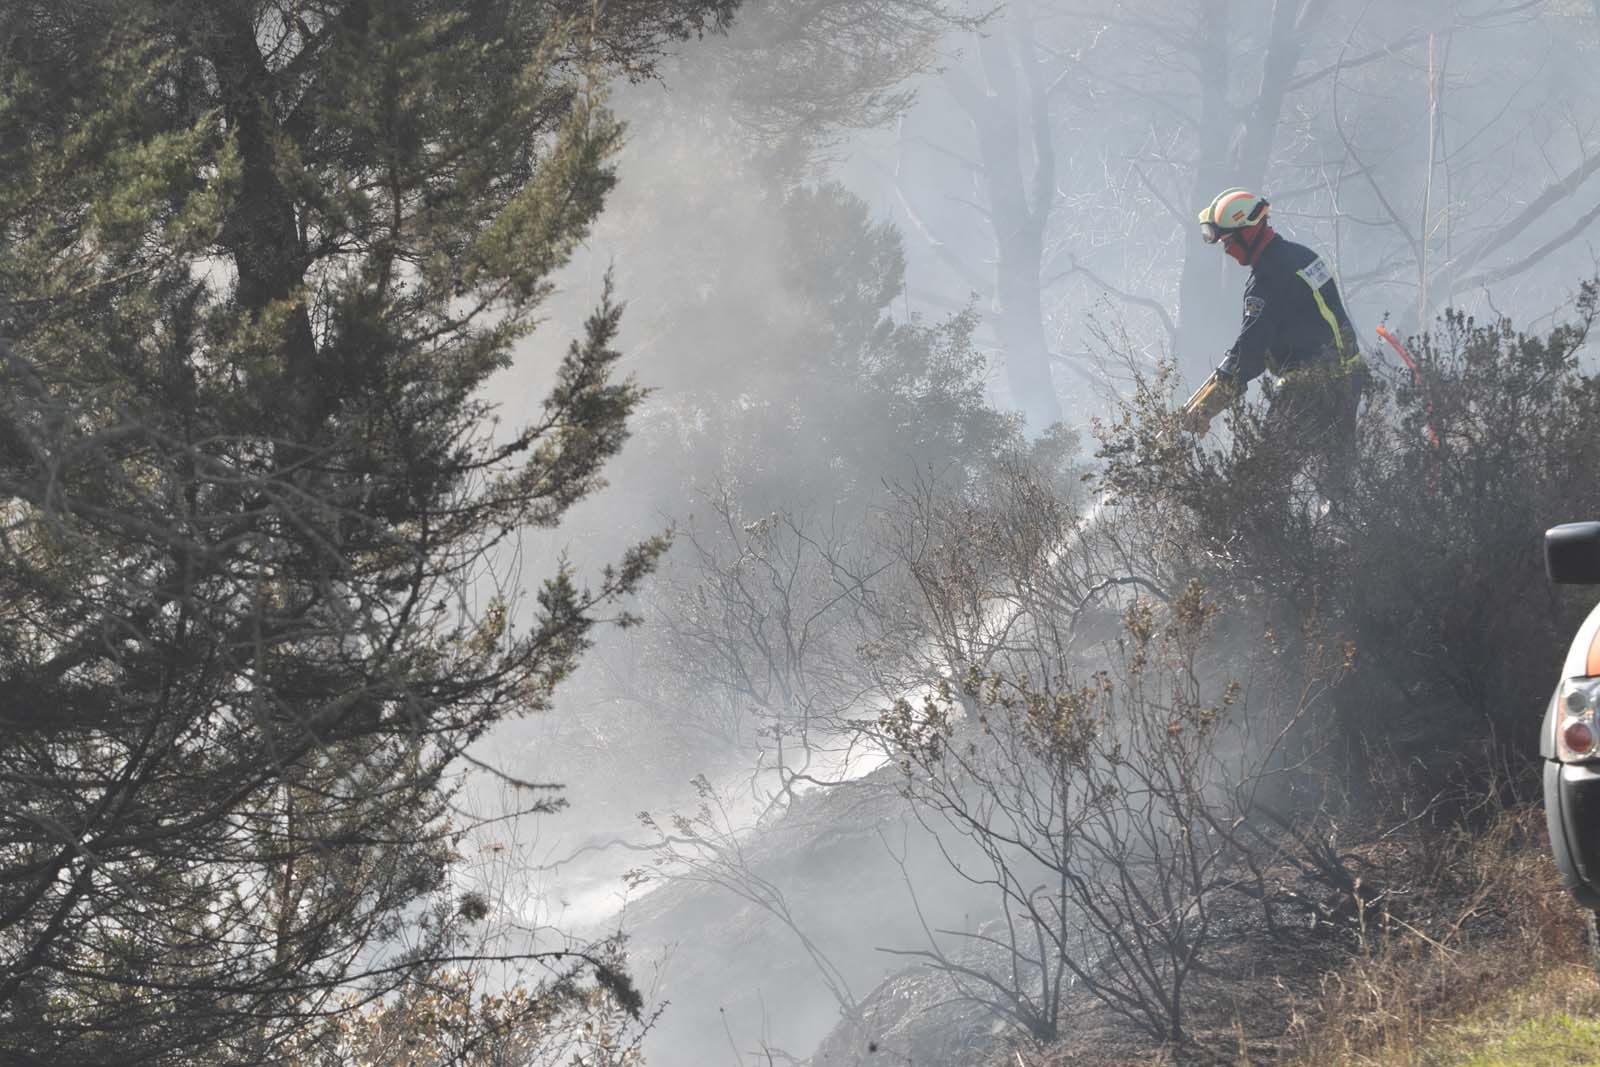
[[1231, 210]]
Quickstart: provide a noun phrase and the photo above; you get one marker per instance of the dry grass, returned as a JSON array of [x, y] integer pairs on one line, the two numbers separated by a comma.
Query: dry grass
[[1549, 1017], [1494, 919], [1552, 1020], [1479, 961]]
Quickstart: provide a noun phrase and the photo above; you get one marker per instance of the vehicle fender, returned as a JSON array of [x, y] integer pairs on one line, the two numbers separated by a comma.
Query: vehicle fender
[[1570, 795]]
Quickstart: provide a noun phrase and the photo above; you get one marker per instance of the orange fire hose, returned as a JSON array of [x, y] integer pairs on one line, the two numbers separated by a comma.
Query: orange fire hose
[[1416, 376]]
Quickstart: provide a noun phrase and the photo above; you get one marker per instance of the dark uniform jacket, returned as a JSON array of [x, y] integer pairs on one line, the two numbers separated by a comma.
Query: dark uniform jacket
[[1293, 315]]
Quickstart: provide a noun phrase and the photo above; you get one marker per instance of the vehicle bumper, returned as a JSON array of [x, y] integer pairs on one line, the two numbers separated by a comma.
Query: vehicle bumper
[[1572, 810]]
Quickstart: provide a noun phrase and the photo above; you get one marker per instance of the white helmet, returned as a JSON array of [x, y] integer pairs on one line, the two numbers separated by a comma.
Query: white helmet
[[1231, 209]]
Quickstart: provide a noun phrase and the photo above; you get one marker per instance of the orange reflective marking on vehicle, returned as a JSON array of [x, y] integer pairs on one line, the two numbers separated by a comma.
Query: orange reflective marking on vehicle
[[1591, 665]]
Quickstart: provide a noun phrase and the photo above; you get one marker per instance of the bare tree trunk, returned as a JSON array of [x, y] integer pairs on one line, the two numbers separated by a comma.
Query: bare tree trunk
[[1203, 321], [1010, 109]]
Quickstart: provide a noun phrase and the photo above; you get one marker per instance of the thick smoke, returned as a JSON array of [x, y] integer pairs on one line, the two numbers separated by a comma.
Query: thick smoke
[[833, 275]]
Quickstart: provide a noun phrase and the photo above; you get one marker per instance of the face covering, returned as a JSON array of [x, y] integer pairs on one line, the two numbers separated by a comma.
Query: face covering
[[1244, 248]]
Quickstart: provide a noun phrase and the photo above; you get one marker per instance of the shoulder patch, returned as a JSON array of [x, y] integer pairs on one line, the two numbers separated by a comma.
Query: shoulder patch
[[1316, 273], [1253, 307]]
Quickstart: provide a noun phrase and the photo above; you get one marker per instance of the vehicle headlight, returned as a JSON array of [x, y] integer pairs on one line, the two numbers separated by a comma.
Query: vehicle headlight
[[1578, 726]]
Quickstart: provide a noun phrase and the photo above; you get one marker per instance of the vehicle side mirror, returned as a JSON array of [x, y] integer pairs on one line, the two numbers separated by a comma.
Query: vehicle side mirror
[[1572, 553]]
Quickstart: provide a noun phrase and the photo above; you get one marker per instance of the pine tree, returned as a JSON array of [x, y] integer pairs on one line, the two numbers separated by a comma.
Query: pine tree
[[258, 262]]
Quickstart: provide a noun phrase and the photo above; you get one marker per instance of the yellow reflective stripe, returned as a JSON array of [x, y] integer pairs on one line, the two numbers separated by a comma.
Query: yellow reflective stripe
[[1327, 314]]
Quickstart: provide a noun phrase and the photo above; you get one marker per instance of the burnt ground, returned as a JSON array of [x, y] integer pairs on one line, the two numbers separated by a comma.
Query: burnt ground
[[1449, 917]]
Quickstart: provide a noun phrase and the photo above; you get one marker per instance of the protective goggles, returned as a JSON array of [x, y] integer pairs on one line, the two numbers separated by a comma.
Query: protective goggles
[[1211, 233]]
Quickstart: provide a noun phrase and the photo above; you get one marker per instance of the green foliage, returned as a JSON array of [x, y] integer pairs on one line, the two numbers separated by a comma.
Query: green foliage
[[1554, 1041], [260, 262]]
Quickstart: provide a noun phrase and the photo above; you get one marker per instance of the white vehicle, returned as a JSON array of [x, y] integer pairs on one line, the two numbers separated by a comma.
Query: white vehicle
[[1570, 738]]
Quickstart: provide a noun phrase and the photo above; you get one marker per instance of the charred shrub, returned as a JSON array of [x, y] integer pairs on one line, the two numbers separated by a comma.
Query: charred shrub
[[1085, 743]]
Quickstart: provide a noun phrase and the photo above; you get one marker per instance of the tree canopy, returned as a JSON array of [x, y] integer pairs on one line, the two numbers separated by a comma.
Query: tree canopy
[[259, 260]]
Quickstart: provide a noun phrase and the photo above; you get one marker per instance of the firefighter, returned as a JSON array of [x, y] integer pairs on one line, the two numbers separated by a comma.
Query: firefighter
[[1295, 326]]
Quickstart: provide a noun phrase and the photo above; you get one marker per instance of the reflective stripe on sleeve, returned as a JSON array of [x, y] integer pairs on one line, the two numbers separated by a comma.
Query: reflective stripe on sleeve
[[1322, 305]]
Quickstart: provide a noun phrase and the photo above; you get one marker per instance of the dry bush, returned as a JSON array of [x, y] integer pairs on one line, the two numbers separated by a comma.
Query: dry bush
[[453, 1018], [1106, 749], [1112, 813]]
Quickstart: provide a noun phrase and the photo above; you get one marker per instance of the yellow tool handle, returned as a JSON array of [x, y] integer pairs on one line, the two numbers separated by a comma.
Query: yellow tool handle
[[1210, 400]]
